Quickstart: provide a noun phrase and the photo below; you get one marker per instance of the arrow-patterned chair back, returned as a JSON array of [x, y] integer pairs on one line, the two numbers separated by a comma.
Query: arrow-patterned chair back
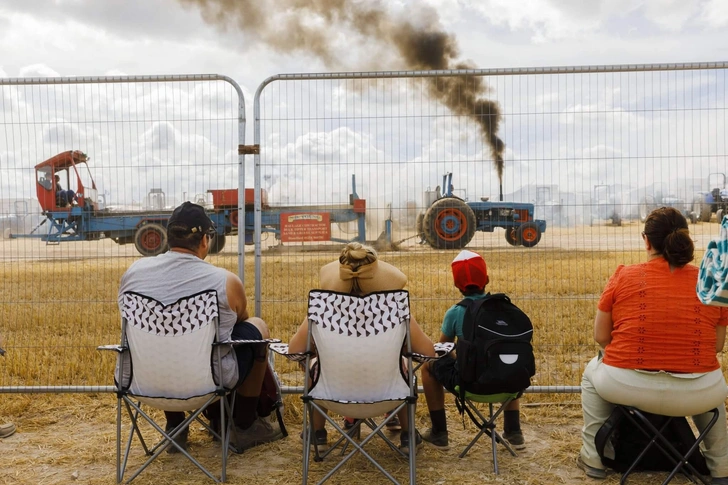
[[171, 349], [359, 342]]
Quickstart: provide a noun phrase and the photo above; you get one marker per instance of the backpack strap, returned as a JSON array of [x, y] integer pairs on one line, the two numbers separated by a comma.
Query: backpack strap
[[604, 435], [471, 308]]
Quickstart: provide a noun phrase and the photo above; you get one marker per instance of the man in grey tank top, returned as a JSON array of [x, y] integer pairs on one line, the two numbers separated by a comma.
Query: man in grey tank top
[[182, 272]]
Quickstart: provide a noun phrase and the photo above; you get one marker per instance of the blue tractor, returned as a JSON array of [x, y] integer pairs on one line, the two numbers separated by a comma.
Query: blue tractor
[[449, 222], [713, 202]]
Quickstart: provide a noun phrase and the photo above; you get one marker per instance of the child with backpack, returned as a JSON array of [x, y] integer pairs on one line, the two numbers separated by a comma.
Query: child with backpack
[[470, 276]]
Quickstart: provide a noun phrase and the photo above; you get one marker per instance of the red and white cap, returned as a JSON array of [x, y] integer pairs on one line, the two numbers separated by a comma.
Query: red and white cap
[[469, 271]]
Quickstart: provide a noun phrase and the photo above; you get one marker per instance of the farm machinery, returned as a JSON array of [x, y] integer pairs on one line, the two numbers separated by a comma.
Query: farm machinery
[[713, 202], [605, 205], [450, 222], [661, 197], [76, 215]]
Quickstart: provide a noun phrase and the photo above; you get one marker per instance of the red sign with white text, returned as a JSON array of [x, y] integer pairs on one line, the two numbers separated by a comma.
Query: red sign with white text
[[305, 227]]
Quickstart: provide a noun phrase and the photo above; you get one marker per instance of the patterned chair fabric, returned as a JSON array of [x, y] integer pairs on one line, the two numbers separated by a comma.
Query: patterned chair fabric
[[359, 343], [170, 349]]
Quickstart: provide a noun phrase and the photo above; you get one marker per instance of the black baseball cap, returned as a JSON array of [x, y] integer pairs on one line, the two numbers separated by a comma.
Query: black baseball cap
[[190, 217]]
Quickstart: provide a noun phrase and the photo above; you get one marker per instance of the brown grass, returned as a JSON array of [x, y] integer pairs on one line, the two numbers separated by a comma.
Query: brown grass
[[56, 311]]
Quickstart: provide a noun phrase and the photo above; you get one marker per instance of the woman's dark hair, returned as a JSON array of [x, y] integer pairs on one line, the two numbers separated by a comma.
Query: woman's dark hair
[[667, 230]]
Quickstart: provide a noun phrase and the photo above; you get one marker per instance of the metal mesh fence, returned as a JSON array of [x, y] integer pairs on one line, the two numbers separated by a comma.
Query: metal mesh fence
[[130, 149], [587, 151], [350, 157]]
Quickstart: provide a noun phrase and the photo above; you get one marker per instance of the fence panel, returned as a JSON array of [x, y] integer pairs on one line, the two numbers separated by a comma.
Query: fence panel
[[591, 149], [135, 147]]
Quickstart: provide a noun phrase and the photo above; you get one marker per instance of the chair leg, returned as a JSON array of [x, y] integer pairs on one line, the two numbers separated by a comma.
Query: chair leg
[[167, 440], [224, 438], [306, 440], [494, 444], [412, 443], [656, 436], [357, 447], [487, 426], [119, 474]]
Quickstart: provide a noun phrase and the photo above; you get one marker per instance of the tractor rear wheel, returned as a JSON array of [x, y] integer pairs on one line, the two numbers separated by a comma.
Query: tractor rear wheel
[[529, 234], [719, 215], [151, 240], [217, 243], [512, 236], [705, 213], [449, 223]]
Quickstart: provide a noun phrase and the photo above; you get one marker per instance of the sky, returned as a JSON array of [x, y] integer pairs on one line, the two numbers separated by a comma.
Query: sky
[[40, 38], [92, 37]]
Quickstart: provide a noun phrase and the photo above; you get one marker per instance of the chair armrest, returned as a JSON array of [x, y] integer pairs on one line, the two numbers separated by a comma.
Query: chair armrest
[[441, 350], [283, 350], [115, 348], [242, 342]]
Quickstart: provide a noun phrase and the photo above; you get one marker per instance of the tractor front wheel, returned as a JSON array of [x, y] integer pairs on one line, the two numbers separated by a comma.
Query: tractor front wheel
[[512, 236], [449, 224], [151, 240], [529, 234]]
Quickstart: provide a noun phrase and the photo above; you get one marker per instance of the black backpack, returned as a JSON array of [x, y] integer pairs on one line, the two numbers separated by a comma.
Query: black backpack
[[628, 442], [495, 354]]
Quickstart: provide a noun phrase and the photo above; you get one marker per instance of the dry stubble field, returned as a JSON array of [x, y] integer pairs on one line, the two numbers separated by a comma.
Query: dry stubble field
[[57, 309]]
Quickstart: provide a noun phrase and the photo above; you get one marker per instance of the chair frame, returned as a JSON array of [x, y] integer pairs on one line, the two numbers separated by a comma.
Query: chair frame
[[134, 410], [311, 406], [486, 425], [682, 465]]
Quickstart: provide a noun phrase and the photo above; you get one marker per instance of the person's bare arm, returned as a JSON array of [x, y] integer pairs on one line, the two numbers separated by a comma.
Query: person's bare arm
[[719, 338], [603, 326], [421, 343], [297, 344], [236, 296], [444, 338]]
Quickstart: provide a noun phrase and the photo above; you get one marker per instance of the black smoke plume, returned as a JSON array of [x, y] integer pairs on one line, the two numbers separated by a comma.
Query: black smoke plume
[[304, 26]]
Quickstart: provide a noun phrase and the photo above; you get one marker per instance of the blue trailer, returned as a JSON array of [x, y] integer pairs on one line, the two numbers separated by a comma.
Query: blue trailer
[[75, 215]]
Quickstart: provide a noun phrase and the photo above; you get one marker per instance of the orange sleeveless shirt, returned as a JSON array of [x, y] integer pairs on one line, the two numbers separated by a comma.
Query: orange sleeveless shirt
[[659, 323]]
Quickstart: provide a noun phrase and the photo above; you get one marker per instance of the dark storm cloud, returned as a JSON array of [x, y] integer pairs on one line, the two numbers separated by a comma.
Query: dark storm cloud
[[418, 39]]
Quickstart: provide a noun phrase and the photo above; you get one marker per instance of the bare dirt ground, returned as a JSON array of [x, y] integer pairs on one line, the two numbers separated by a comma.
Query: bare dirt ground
[[67, 443]]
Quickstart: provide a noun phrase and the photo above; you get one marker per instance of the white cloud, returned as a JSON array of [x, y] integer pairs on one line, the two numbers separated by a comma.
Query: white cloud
[[715, 13], [670, 15], [37, 70]]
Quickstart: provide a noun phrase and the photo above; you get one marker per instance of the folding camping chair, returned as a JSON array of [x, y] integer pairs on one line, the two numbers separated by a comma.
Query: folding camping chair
[[468, 405], [364, 369], [165, 362], [640, 421]]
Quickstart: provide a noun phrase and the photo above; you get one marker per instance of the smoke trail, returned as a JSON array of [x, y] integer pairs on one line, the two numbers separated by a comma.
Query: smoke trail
[[303, 25]]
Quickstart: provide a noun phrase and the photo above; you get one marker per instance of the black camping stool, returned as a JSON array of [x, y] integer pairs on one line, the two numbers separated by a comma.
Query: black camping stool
[[680, 459]]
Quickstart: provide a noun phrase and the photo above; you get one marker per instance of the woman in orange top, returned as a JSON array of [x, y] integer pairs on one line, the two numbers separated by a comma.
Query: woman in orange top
[[659, 345]]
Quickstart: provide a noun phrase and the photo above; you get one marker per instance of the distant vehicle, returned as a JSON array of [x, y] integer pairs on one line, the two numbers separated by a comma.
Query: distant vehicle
[[78, 215], [661, 197], [19, 215], [605, 205], [450, 222], [549, 205], [715, 201]]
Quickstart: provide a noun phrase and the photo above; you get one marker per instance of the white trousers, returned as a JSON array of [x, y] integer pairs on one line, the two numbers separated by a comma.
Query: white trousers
[[603, 386]]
